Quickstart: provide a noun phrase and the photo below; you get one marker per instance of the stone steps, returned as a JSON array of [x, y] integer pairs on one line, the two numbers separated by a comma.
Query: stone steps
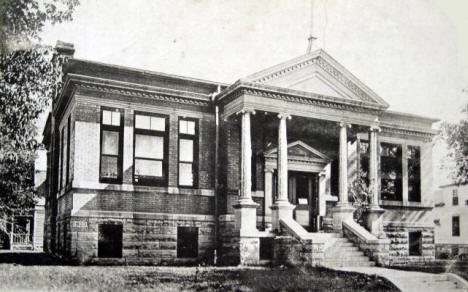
[[343, 253]]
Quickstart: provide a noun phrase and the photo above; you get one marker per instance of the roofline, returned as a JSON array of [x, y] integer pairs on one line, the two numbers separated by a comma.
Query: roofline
[[453, 185], [150, 72], [432, 120]]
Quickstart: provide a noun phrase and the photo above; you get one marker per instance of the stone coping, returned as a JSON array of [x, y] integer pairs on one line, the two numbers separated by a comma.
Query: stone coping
[[362, 233]]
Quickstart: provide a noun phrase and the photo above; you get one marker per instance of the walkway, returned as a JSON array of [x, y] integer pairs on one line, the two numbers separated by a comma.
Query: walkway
[[414, 281]]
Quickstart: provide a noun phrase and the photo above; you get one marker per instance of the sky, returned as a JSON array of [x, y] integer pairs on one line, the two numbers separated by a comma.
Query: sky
[[413, 54]]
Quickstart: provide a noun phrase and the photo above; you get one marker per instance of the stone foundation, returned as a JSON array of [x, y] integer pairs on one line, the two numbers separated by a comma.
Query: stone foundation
[[290, 251], [146, 238], [399, 244]]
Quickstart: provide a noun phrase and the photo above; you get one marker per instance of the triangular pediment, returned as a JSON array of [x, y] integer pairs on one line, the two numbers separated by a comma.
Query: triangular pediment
[[299, 149], [317, 73]]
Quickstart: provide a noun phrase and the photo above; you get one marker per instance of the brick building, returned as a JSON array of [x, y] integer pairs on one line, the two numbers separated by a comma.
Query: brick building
[[147, 167]]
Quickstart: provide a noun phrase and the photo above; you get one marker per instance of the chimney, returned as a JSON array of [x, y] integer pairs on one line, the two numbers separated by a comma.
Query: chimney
[[65, 49]]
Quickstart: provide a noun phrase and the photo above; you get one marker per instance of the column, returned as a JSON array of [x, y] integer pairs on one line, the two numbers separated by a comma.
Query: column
[[268, 195], [246, 158], [343, 210], [374, 179], [282, 159], [343, 167], [282, 209], [374, 213], [246, 208]]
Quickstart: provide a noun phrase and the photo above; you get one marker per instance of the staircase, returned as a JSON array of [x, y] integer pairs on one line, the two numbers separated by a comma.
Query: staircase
[[343, 253]]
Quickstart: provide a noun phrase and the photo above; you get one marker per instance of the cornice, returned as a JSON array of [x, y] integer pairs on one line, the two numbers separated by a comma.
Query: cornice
[[427, 135], [134, 90], [310, 99]]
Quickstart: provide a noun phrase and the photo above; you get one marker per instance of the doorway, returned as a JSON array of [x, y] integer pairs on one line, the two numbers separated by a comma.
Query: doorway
[[303, 193]]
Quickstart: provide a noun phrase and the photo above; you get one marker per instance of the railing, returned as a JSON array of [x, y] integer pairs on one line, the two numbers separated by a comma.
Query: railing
[[20, 239]]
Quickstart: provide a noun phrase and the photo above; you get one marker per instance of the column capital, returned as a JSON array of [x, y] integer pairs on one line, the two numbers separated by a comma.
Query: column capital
[[246, 111], [345, 124], [269, 170], [375, 128], [285, 116]]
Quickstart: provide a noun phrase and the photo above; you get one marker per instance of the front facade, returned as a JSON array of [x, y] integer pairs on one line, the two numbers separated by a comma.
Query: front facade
[[152, 168], [450, 216]]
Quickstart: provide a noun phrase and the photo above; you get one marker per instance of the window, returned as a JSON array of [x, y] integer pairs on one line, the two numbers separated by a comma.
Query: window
[[110, 240], [111, 145], [266, 248], [150, 151], [187, 242], [455, 226], [415, 243], [391, 171], [62, 155], [455, 197], [414, 173], [68, 150], [363, 147], [188, 152]]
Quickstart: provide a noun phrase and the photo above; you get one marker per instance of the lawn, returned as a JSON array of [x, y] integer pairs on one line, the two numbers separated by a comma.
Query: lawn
[[137, 278]]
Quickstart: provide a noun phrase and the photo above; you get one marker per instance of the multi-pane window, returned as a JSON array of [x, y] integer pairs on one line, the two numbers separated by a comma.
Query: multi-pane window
[[455, 226], [188, 152], [150, 156], [455, 197], [111, 145], [414, 173], [391, 171]]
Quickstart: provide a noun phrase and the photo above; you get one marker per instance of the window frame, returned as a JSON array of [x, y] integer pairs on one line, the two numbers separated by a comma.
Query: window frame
[[399, 189], [195, 138], [112, 128], [456, 231], [67, 179], [61, 159], [154, 181], [415, 248], [455, 199], [416, 196]]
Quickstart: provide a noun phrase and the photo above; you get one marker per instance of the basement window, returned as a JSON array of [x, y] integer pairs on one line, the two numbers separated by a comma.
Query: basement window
[[110, 241], [187, 242], [266, 248], [415, 243]]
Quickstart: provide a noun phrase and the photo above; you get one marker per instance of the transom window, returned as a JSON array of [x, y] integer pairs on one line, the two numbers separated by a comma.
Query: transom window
[[111, 145], [150, 151], [188, 152]]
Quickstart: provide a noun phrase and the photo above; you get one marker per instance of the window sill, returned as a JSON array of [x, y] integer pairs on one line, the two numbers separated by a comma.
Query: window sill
[[141, 188], [405, 204]]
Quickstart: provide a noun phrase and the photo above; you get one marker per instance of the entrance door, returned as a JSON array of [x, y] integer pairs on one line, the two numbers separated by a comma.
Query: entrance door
[[303, 192]]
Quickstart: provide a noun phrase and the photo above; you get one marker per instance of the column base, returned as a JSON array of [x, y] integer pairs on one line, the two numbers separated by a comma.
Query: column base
[[340, 213], [246, 217], [374, 221], [280, 210]]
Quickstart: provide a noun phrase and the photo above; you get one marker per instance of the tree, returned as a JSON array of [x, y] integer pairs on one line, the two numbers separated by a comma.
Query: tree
[[455, 136], [30, 77]]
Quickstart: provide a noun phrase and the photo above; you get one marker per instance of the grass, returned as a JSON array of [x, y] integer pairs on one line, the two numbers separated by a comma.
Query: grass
[[137, 278]]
